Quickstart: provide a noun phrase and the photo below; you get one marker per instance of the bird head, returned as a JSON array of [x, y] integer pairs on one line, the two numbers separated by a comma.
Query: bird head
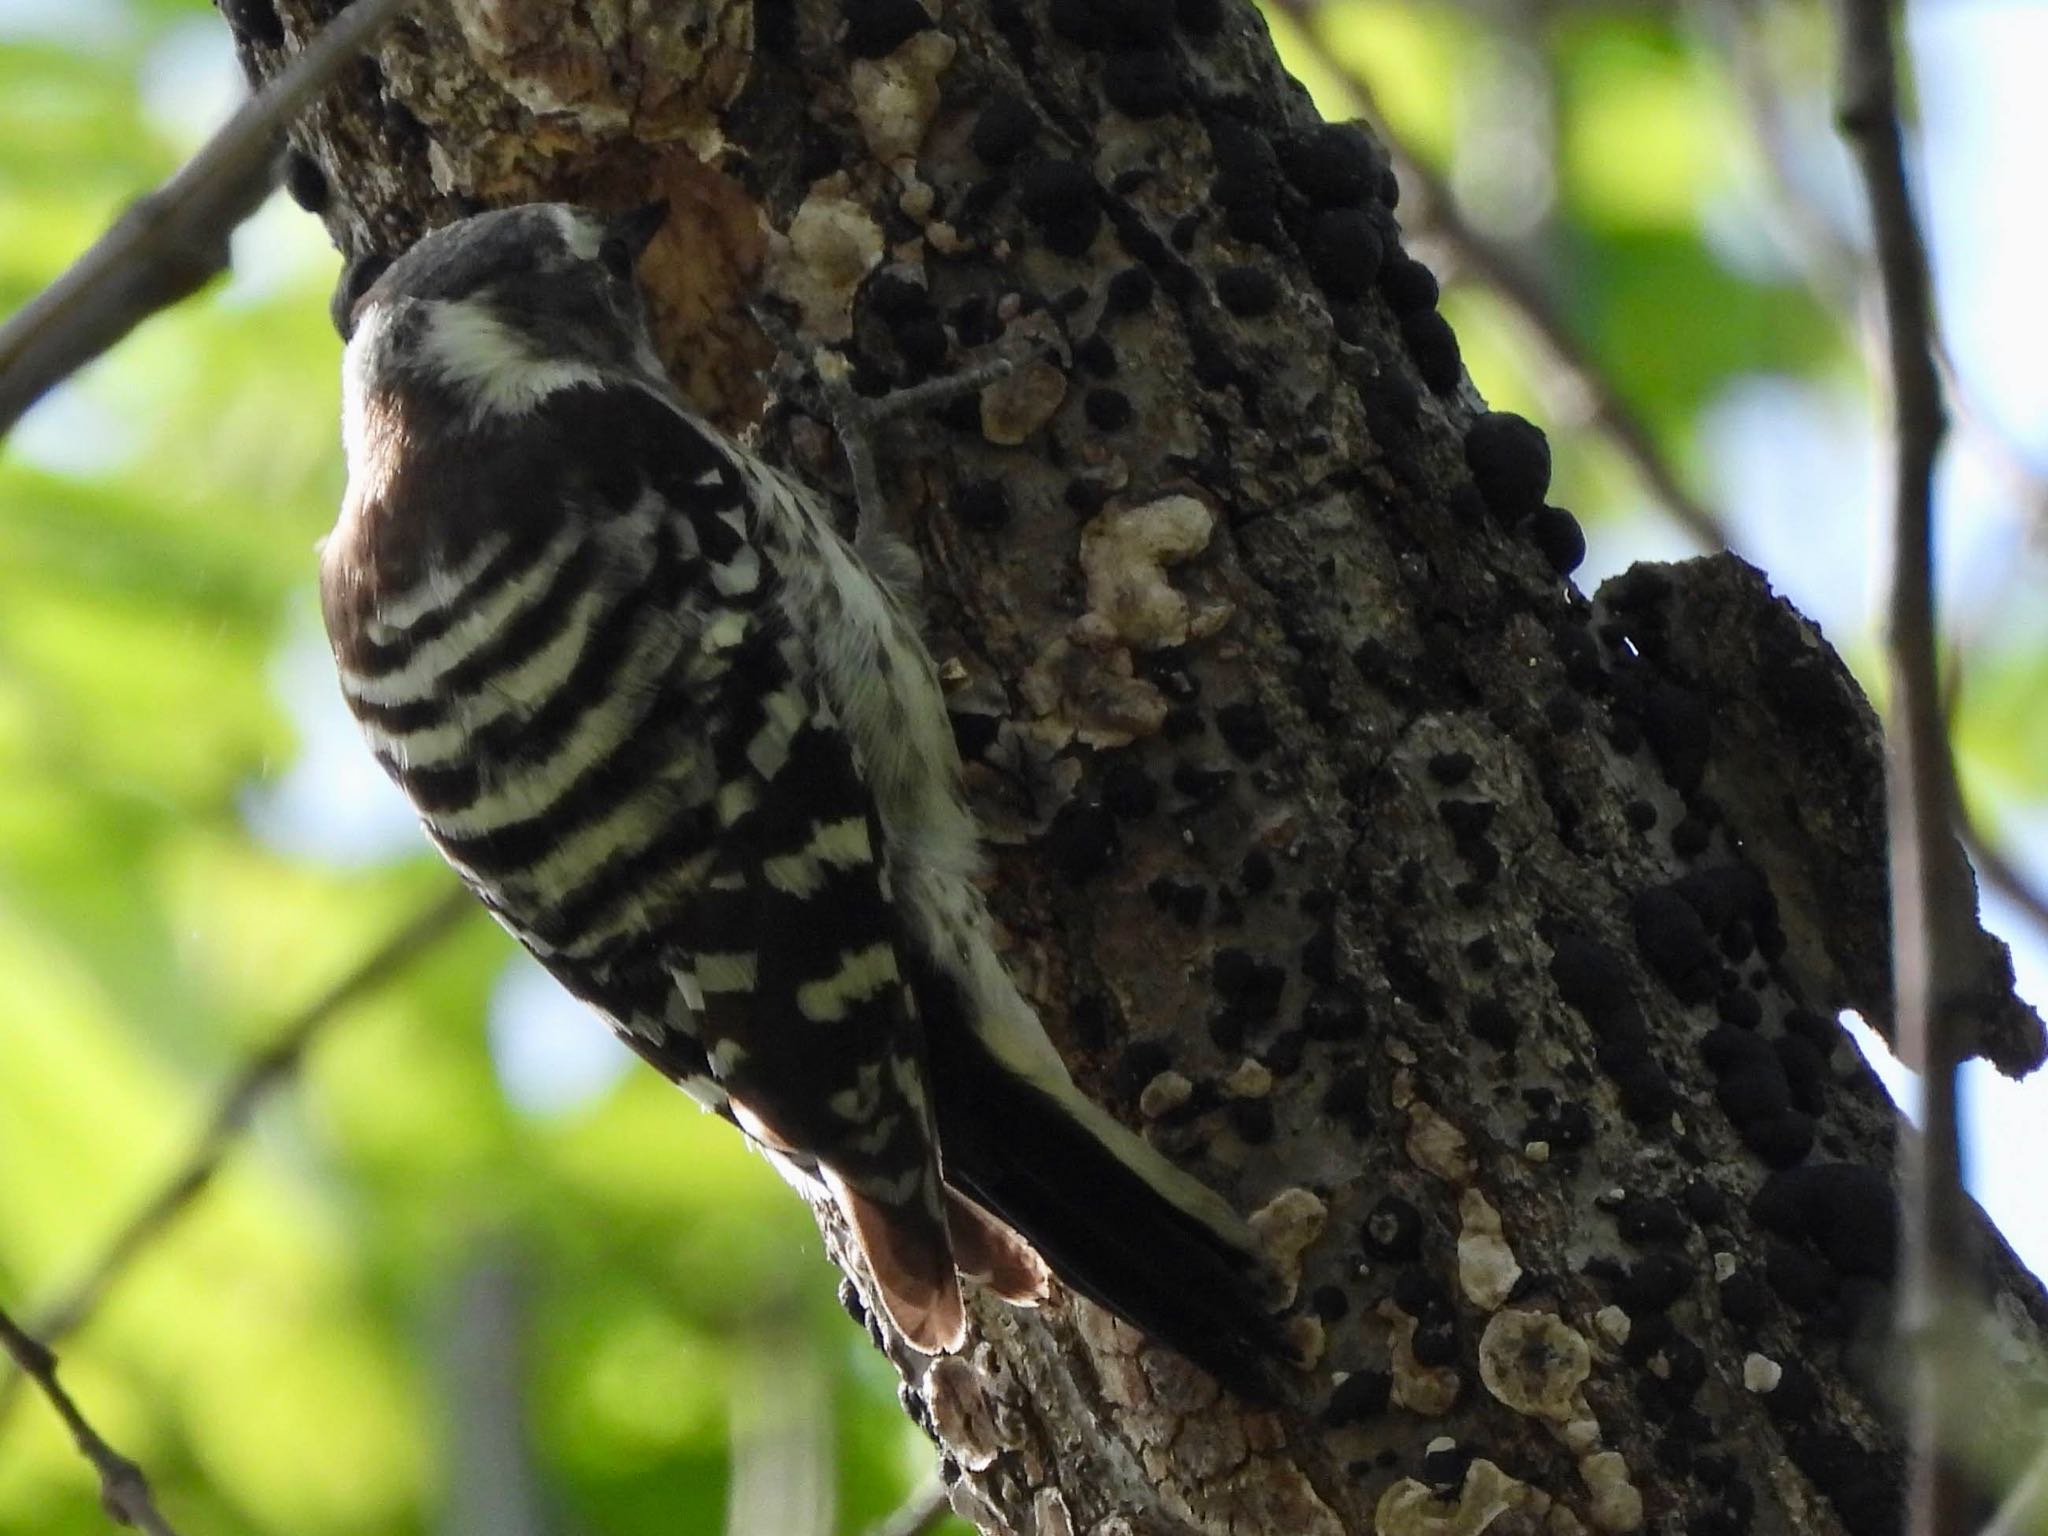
[[503, 308]]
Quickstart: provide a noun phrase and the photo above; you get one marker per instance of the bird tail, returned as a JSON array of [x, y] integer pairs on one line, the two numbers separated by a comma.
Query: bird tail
[[912, 1264], [1108, 1213]]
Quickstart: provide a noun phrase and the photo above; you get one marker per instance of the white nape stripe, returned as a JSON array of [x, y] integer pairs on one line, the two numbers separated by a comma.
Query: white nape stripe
[[860, 976], [416, 679], [492, 365], [370, 461]]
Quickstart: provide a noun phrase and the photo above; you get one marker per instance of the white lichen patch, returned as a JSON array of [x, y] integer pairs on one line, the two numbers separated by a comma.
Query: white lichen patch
[[1285, 1226], [1124, 555], [1487, 1270], [1434, 1144], [895, 98], [1022, 401], [832, 244], [1613, 1324], [1091, 695], [1249, 1079], [1164, 1094], [1412, 1508], [1580, 1435], [1430, 1390], [1760, 1373], [1306, 1340], [1535, 1363], [1614, 1504]]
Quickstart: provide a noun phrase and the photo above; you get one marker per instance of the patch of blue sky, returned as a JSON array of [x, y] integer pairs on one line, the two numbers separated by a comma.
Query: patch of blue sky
[[332, 803], [551, 1055]]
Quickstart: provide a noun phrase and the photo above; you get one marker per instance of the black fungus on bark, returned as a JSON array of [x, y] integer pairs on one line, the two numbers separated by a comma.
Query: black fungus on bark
[[1141, 83], [254, 21], [1510, 462], [1344, 253], [1333, 164], [1059, 197], [1003, 131], [1247, 291]]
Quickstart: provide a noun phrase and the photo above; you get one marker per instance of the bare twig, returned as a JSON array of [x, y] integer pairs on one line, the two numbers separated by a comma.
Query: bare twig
[[781, 1418], [918, 1515], [492, 1486], [1930, 882], [1433, 212], [124, 1491], [1828, 258], [231, 1112], [169, 244]]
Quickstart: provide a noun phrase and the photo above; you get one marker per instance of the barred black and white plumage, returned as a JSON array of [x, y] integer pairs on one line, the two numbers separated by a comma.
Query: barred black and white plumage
[[671, 730]]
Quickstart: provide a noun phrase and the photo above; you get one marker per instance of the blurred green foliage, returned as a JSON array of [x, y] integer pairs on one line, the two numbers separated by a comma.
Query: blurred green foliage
[[280, 1361]]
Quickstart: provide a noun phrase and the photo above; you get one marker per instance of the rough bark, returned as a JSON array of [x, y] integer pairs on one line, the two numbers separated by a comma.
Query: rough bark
[[1485, 940]]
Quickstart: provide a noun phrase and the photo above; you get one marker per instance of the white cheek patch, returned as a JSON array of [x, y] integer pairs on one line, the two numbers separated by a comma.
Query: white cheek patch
[[491, 365]]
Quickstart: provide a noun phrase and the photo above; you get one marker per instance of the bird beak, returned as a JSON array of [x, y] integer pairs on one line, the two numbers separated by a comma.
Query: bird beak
[[636, 229]]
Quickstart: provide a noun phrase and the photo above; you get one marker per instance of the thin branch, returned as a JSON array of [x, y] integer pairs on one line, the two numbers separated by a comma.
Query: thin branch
[[1833, 266], [169, 244], [781, 1430], [492, 1485], [918, 1515], [1928, 877], [231, 1114], [1432, 209], [124, 1491]]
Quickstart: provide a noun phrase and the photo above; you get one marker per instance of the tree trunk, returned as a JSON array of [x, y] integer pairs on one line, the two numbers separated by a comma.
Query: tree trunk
[[1487, 942]]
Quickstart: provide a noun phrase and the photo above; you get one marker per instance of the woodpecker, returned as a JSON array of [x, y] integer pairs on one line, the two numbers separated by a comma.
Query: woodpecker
[[685, 745]]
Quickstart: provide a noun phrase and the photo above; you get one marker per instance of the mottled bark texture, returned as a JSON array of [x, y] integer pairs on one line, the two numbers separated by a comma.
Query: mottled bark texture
[[1485, 940]]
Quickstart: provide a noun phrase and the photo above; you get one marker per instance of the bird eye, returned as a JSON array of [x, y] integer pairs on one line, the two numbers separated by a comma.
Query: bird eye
[[617, 257]]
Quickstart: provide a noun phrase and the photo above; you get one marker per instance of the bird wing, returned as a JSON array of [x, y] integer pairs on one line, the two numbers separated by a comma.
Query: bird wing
[[789, 948]]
